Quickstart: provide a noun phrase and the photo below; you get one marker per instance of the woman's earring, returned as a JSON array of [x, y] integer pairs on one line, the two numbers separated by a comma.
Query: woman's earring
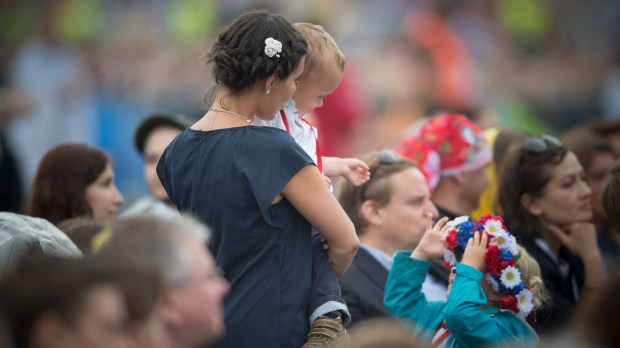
[[268, 91]]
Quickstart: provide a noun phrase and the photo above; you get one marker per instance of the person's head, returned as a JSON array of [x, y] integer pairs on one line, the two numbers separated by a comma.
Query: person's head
[[453, 155], [152, 137], [323, 68], [541, 183], [74, 180], [391, 208], [382, 332], [501, 140], [81, 232], [506, 140], [597, 159], [56, 302], [531, 277], [610, 129], [610, 197], [193, 300], [259, 52], [142, 285]]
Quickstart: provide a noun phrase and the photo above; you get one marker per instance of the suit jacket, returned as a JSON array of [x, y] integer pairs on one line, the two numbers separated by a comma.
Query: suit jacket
[[557, 315], [363, 286]]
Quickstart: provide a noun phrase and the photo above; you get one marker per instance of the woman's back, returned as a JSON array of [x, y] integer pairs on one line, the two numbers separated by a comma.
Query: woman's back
[[229, 178]]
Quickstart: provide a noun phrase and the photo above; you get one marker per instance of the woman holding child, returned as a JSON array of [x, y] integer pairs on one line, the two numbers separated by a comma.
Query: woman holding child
[[257, 189]]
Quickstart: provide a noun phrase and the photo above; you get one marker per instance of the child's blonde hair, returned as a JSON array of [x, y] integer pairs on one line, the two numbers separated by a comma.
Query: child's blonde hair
[[530, 273], [321, 48]]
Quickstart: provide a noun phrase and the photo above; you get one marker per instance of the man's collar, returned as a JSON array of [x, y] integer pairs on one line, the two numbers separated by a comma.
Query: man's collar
[[384, 259]]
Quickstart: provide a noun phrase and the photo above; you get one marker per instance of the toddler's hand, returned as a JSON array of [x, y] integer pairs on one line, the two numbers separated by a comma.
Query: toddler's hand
[[475, 251], [324, 244], [328, 181], [355, 171], [431, 245]]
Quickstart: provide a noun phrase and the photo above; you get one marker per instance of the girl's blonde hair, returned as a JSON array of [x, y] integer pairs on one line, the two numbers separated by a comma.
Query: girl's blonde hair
[[530, 273]]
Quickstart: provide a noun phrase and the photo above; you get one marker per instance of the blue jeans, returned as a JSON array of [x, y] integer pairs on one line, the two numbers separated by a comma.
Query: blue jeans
[[325, 295]]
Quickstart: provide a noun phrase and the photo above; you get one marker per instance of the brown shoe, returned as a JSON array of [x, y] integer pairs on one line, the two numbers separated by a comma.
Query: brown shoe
[[326, 332]]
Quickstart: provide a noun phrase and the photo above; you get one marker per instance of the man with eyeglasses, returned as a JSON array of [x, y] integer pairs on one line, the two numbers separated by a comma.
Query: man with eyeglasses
[[453, 154], [389, 213], [192, 308]]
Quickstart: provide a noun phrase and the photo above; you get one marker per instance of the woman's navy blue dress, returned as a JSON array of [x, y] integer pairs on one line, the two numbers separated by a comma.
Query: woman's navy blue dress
[[228, 178]]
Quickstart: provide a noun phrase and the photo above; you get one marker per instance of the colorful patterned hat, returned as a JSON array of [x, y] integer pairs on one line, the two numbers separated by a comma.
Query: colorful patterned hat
[[446, 145]]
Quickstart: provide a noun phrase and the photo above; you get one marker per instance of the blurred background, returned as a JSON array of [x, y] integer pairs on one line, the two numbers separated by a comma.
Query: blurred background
[[90, 70]]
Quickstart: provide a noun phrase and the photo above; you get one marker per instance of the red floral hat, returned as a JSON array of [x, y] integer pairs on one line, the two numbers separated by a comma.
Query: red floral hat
[[446, 145]]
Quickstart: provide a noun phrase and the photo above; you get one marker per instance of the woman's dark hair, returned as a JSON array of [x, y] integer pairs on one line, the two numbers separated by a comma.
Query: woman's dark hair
[[238, 54], [527, 170], [59, 188]]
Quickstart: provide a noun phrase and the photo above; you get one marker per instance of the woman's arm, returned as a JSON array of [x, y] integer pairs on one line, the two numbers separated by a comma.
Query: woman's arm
[[308, 193]]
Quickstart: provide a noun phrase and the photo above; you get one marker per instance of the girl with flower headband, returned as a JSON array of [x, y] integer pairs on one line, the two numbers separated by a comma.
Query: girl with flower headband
[[492, 290], [250, 184]]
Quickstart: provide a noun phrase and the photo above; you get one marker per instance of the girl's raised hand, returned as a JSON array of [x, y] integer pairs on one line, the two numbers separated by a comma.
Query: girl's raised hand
[[431, 245], [475, 251]]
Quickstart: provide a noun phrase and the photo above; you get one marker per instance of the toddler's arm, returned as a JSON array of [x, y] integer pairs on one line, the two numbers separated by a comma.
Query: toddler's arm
[[353, 170]]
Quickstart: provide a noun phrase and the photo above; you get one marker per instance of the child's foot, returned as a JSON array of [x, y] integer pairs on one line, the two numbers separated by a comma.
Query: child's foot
[[327, 332]]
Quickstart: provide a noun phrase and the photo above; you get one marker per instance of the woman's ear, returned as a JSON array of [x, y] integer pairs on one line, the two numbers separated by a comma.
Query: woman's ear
[[269, 82], [531, 204], [370, 213]]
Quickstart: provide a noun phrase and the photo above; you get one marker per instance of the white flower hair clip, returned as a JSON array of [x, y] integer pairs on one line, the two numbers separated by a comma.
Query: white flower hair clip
[[273, 47]]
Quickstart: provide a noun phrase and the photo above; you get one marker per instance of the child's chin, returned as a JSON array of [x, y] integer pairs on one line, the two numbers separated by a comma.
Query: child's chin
[[266, 118]]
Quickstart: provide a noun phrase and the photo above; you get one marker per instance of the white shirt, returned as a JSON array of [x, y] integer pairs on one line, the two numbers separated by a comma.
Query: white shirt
[[304, 134]]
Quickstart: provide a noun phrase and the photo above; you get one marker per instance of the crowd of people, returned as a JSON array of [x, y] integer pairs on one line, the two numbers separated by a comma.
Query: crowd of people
[[454, 235]]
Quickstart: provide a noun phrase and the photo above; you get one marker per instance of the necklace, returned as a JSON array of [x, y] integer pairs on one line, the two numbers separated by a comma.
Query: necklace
[[246, 119]]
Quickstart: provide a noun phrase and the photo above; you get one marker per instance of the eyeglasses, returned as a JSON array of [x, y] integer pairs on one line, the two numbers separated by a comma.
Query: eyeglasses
[[539, 145], [215, 275]]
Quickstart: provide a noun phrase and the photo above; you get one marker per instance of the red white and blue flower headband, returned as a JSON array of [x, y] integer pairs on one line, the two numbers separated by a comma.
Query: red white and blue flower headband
[[502, 253]]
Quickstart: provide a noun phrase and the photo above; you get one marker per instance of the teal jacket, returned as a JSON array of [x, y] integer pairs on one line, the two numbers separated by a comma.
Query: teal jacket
[[469, 325]]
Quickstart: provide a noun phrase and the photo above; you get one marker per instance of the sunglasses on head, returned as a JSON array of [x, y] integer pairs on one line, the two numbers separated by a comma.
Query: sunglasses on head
[[385, 158], [539, 144], [388, 157]]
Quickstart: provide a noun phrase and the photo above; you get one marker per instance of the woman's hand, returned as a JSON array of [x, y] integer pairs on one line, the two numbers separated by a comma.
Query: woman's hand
[[475, 251], [579, 237], [431, 245]]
